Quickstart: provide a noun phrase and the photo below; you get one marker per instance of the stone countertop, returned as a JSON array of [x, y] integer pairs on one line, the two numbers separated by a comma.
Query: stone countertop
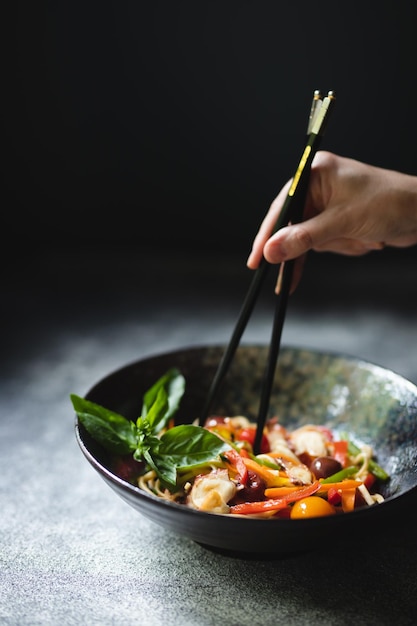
[[72, 552]]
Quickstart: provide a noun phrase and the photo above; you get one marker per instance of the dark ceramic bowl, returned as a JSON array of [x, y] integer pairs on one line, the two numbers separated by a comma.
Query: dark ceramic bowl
[[373, 404]]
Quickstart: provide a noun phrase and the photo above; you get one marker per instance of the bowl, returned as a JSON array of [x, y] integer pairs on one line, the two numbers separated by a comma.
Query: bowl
[[375, 405]]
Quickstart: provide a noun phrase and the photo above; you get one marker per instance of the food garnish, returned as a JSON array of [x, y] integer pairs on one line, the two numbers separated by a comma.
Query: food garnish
[[307, 472]]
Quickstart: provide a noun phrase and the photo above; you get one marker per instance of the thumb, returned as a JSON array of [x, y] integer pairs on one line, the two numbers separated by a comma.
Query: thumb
[[288, 243]]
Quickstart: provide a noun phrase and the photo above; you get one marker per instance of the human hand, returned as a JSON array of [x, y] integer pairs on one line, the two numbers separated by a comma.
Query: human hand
[[351, 208]]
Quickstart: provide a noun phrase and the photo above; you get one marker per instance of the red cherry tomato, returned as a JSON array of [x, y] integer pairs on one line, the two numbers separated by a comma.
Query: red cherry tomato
[[248, 434]]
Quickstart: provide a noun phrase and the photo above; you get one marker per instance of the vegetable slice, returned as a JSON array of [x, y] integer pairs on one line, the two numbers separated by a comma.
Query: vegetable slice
[[339, 476], [274, 504], [373, 466], [348, 500], [277, 492], [236, 460], [340, 451], [342, 485], [271, 477]]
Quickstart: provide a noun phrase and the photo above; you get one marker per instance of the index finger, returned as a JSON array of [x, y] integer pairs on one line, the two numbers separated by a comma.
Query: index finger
[[267, 227]]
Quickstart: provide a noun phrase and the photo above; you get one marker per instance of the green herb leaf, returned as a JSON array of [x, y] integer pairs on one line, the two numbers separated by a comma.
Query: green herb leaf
[[182, 448], [178, 449], [188, 445], [169, 388], [164, 467], [155, 417], [113, 431]]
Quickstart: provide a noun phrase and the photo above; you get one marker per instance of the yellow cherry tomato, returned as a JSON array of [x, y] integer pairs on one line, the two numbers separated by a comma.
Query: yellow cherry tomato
[[313, 506]]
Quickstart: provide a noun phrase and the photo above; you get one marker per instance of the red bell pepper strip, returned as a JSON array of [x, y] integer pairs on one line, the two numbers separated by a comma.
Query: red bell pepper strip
[[334, 496], [238, 463], [340, 451], [274, 504], [369, 480]]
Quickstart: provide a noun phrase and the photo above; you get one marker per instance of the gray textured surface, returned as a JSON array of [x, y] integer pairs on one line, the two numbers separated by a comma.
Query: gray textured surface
[[71, 551]]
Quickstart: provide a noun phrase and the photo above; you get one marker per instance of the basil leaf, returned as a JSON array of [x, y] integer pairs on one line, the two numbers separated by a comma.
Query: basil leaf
[[154, 418], [164, 468], [121, 436], [173, 385], [182, 448], [144, 443], [113, 431], [188, 445]]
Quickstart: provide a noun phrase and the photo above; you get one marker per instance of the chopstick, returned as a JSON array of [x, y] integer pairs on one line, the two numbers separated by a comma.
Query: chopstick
[[274, 348], [287, 270], [290, 212]]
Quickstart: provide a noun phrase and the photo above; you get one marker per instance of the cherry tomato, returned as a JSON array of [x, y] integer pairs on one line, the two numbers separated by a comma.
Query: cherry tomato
[[313, 506], [214, 420], [248, 434], [219, 425], [127, 468]]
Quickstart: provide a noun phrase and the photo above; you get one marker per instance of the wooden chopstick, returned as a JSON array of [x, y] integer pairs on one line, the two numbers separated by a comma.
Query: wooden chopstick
[[291, 210]]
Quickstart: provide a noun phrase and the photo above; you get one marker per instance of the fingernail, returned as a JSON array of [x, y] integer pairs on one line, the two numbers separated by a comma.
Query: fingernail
[[249, 259]]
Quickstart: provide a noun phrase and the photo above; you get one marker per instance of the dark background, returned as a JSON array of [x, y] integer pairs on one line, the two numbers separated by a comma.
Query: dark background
[[172, 125], [143, 142]]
